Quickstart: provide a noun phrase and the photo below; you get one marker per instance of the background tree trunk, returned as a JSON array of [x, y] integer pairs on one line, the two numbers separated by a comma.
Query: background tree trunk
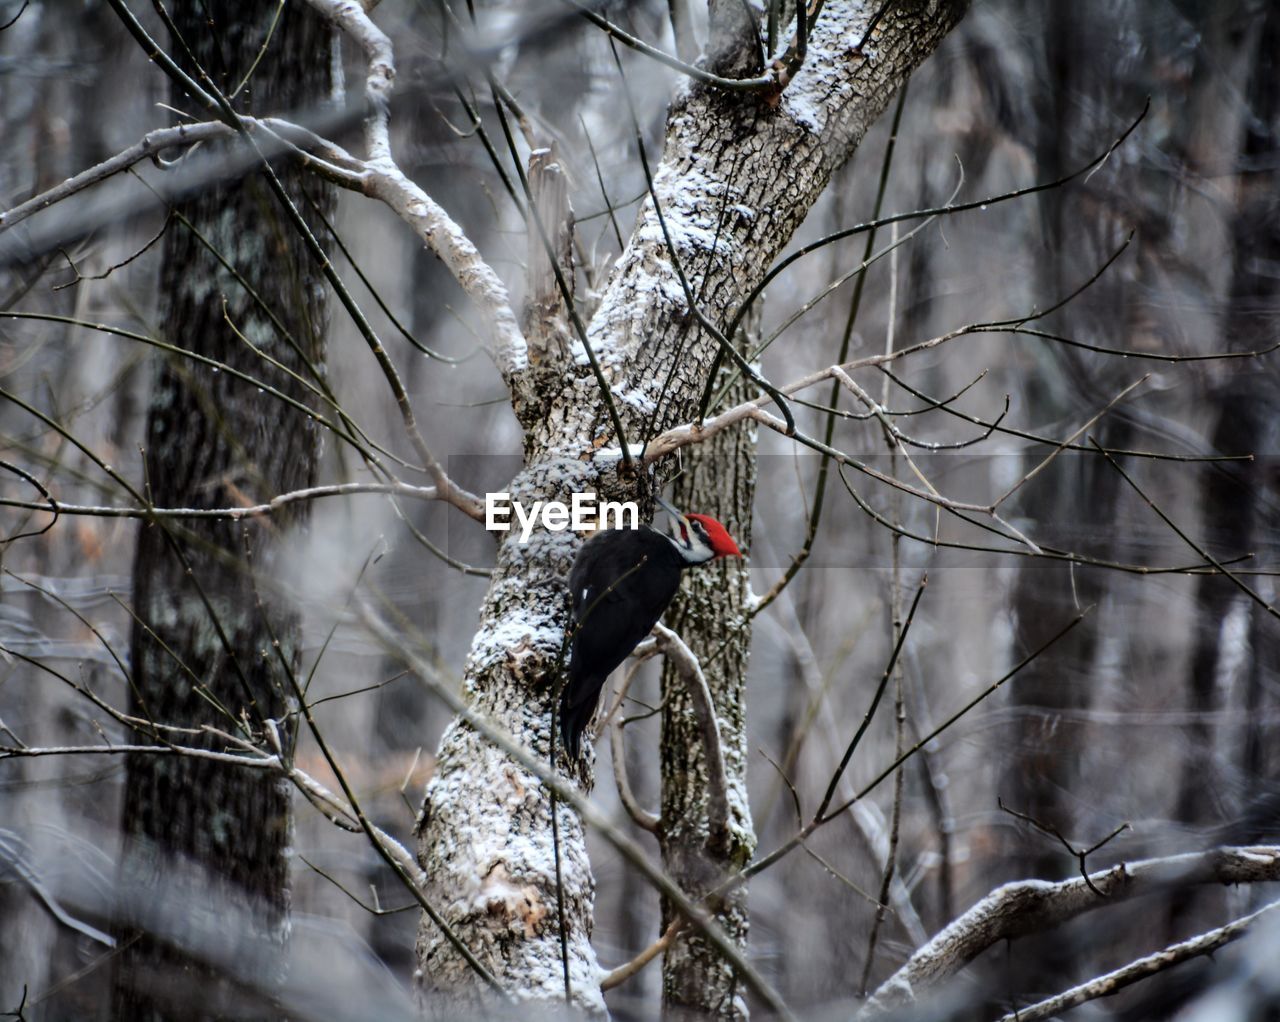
[[201, 839], [1225, 780], [63, 124]]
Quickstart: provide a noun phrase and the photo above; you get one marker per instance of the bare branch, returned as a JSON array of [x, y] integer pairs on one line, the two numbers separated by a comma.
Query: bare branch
[[385, 181], [995, 426], [1033, 906], [353, 19], [901, 637], [274, 135], [230, 758], [1185, 537], [949, 208], [373, 910], [1027, 477], [624, 972], [1118, 979], [1081, 855], [506, 345], [640, 816], [251, 759], [379, 176], [55, 506], [686, 664], [152, 143], [1049, 553], [759, 865]]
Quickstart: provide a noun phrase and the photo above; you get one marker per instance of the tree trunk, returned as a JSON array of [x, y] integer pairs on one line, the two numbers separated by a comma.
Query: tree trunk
[[736, 178], [204, 890], [719, 479]]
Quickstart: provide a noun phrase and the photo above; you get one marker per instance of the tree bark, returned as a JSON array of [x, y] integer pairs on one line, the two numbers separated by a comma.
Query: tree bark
[[736, 178], [204, 890], [701, 843], [710, 615]]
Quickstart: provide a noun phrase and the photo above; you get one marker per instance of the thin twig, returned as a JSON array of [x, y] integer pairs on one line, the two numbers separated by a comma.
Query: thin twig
[[1222, 569], [624, 972], [821, 811], [1028, 476], [1079, 854], [945, 210], [1048, 553], [759, 865], [855, 306]]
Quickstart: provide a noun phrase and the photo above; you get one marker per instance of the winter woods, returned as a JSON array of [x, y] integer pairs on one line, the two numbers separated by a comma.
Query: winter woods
[[959, 319]]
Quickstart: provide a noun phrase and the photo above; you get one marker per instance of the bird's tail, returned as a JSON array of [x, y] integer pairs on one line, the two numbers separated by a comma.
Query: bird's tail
[[574, 718]]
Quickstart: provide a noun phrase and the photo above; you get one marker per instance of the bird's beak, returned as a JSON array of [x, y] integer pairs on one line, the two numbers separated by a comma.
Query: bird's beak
[[675, 515]]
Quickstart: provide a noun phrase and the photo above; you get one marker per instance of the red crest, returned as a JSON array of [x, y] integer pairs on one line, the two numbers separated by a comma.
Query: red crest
[[721, 542]]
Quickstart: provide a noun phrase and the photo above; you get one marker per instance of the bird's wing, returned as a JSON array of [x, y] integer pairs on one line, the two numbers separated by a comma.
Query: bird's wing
[[602, 572]]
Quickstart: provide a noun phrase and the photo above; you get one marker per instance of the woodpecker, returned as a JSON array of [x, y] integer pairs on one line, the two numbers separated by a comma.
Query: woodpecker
[[621, 582]]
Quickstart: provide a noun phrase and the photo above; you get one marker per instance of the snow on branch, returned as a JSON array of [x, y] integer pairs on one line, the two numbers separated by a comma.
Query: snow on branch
[[1116, 980], [384, 180], [1025, 907], [506, 344], [353, 20]]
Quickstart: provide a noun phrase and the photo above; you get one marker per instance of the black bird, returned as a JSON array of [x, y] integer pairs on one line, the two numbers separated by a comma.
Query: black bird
[[621, 581]]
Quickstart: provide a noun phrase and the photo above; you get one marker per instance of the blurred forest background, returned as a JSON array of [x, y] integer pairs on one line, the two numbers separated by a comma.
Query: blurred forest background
[[1161, 710]]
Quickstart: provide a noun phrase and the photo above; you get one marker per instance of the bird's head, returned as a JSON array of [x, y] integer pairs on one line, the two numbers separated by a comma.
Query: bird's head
[[699, 538]]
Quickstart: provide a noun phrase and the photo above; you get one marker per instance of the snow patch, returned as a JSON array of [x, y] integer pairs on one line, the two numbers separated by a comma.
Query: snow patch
[[615, 453], [809, 97], [691, 199], [511, 636], [637, 400]]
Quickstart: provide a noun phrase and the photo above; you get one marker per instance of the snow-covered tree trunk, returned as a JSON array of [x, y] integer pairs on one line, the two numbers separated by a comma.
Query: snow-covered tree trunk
[[738, 174]]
